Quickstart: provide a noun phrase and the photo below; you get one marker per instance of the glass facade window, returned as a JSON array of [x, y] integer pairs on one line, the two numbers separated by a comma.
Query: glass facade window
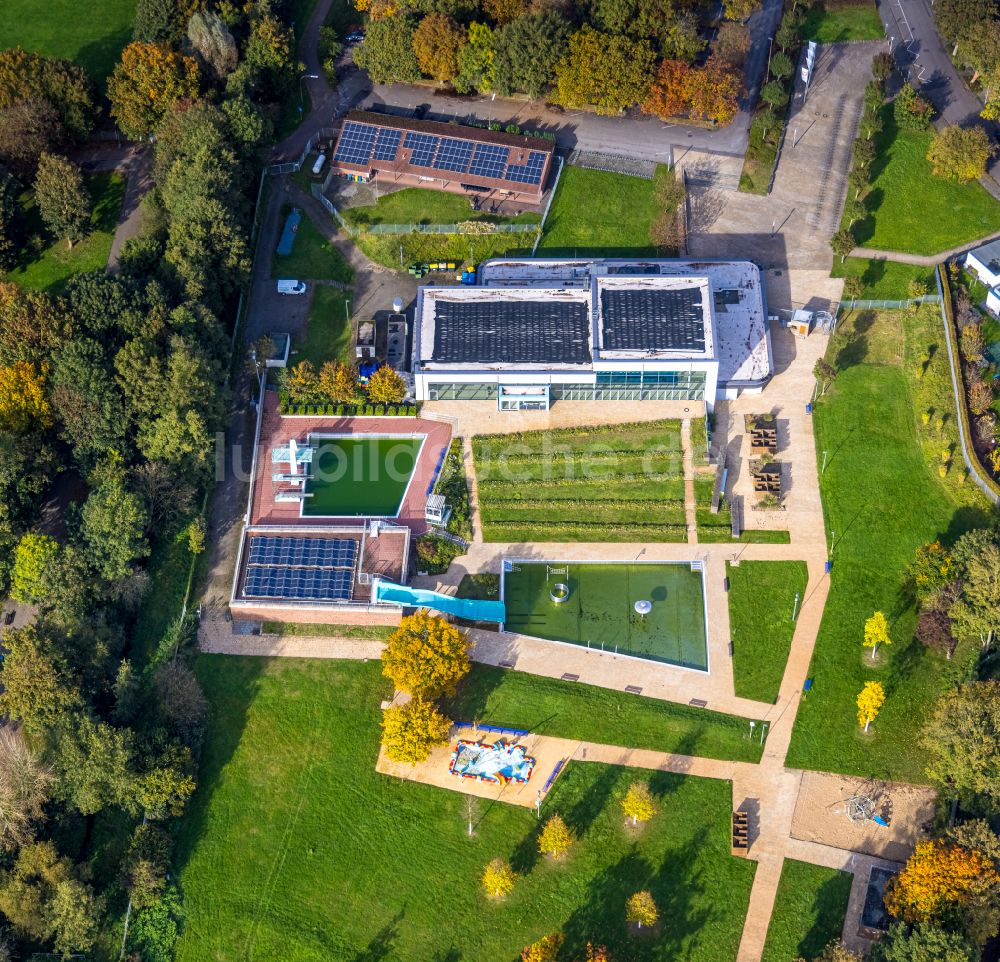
[[462, 392]]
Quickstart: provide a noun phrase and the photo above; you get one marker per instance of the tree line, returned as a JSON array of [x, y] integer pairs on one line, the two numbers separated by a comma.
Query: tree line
[[607, 54], [112, 392]]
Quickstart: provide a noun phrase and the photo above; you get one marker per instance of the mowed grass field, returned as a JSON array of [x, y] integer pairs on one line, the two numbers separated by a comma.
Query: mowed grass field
[[92, 35], [313, 258], [294, 848], [416, 205], [618, 483], [913, 211], [882, 497], [808, 912], [836, 21], [597, 213], [761, 603], [884, 280]]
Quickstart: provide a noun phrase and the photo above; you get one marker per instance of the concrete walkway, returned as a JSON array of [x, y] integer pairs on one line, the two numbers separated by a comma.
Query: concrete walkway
[[921, 260]]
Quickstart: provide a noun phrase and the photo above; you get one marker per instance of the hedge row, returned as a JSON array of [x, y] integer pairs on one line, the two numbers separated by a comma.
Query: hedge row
[[351, 410]]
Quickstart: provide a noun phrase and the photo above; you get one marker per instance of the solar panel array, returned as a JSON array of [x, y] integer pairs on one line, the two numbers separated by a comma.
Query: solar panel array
[[362, 143], [319, 569], [303, 552], [321, 584]]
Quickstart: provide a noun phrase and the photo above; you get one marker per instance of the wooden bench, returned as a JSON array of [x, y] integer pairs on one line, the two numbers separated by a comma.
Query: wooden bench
[[741, 833]]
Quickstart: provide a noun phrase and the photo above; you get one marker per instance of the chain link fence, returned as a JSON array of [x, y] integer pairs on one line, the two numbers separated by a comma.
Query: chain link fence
[[868, 305]]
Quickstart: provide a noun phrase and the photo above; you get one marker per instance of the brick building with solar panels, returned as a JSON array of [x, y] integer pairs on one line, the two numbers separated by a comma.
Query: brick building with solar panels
[[399, 151]]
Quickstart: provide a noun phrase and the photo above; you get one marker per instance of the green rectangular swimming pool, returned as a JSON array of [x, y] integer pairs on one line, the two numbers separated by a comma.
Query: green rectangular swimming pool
[[599, 609], [360, 476]]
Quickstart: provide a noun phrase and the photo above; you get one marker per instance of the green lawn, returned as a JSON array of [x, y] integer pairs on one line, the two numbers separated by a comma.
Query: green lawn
[[601, 214], [59, 28], [882, 497], [294, 847], [360, 477], [835, 22], [761, 601], [416, 205], [884, 280], [329, 333], [808, 912], [54, 264], [718, 528], [358, 632], [313, 258], [600, 609], [910, 209], [588, 713], [616, 483]]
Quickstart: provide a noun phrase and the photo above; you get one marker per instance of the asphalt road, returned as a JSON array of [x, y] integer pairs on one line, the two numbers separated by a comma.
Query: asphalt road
[[637, 135], [922, 57]]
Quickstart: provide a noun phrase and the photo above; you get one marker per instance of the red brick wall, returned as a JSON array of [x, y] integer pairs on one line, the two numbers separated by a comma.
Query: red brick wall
[[316, 616]]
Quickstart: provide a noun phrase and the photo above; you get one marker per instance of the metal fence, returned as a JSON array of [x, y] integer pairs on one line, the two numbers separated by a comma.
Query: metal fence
[[317, 192], [476, 229], [868, 305]]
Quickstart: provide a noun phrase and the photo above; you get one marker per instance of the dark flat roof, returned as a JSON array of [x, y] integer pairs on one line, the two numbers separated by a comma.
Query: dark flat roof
[[653, 320], [515, 331]]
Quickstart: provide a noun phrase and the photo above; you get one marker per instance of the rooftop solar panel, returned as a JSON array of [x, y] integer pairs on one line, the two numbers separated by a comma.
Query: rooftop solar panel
[[303, 552], [653, 320], [423, 147], [319, 584], [529, 172], [453, 154], [513, 331], [387, 145], [489, 160], [355, 144]]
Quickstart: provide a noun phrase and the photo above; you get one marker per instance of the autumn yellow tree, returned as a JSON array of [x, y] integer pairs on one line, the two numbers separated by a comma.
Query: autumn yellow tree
[[426, 656], [638, 803], [498, 878], [640, 909], [437, 42], [301, 382], [870, 700], [544, 950], [23, 403], [939, 878], [338, 381], [555, 838], [412, 731], [148, 80], [385, 386], [876, 632]]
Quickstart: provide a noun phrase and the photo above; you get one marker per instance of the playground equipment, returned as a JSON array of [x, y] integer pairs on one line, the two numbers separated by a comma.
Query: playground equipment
[[468, 608], [643, 607], [499, 763], [559, 593], [870, 802]]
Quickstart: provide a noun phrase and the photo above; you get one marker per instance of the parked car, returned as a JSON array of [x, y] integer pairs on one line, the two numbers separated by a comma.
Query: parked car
[[291, 287], [355, 37]]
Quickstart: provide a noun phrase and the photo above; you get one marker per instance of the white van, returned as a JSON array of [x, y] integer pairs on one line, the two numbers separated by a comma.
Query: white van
[[318, 166], [291, 287]]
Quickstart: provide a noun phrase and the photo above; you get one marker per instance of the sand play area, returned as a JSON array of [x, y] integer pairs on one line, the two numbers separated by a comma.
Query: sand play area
[[821, 815]]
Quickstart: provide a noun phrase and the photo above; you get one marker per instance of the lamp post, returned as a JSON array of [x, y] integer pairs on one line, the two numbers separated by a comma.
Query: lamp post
[[305, 76], [770, 47]]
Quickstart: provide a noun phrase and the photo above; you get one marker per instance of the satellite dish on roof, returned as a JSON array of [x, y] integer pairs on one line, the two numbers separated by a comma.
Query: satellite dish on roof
[[397, 305]]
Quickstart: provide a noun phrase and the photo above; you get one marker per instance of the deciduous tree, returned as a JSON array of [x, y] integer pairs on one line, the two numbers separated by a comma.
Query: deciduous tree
[[910, 110], [62, 83], [146, 864], [732, 43], [34, 558], [668, 96], [774, 94], [148, 80], [976, 611], [339, 382], [544, 950], [426, 656], [412, 731], [498, 878], [526, 53], [740, 10], [212, 40], [640, 909], [385, 386], [960, 154], [781, 66], [62, 199], [870, 701], [113, 526], [23, 402], [924, 942], [842, 243], [437, 43], [555, 838], [387, 51], [934, 630], [608, 72], [28, 129], [836, 951], [25, 782], [714, 92], [161, 21], [638, 803], [962, 738], [475, 60], [876, 632]]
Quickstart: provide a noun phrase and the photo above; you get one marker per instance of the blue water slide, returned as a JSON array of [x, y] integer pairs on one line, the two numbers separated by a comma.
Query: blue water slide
[[468, 608]]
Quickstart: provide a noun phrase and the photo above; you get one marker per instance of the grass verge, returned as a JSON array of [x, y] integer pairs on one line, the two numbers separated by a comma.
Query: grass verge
[[913, 211], [762, 597], [329, 333], [357, 632], [415, 205], [883, 280], [313, 258], [588, 713], [835, 21], [54, 264], [618, 226], [808, 912], [882, 497], [266, 850]]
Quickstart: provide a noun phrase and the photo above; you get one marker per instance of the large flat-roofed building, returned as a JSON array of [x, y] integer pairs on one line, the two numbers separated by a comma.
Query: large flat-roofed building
[[534, 332], [399, 151]]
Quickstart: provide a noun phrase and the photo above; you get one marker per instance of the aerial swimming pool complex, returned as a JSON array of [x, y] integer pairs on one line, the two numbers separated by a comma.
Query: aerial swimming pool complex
[[360, 476], [653, 611]]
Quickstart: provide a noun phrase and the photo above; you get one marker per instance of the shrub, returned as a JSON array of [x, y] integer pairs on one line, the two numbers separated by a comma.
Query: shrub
[[911, 111], [340, 409], [379, 410], [435, 554], [544, 950]]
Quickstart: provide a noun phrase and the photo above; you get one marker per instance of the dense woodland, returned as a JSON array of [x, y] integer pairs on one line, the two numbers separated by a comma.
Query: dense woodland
[[972, 28], [673, 58], [111, 395]]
